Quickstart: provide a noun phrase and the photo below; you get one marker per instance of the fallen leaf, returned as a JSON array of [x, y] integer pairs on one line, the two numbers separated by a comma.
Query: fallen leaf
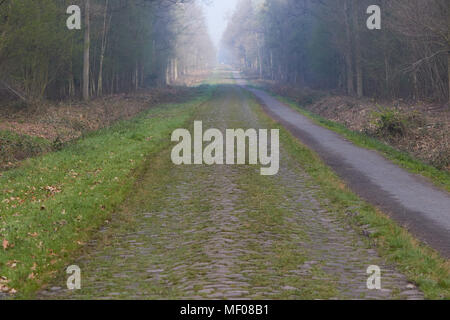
[[5, 244], [52, 189], [4, 288], [52, 253]]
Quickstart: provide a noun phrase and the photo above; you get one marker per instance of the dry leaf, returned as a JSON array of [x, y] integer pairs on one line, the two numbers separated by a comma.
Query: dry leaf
[[52, 253], [52, 189], [5, 244]]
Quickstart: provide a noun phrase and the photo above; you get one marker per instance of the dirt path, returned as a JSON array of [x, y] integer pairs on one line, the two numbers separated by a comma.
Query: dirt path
[[410, 199], [226, 232]]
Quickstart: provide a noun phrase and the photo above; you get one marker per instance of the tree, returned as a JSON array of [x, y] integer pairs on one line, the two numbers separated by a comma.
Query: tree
[[327, 45], [87, 46], [125, 45]]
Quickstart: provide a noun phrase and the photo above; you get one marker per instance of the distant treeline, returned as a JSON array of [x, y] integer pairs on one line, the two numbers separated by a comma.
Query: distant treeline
[[326, 45], [122, 45]]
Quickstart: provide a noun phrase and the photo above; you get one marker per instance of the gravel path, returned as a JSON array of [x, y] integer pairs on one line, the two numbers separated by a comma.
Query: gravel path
[[226, 232]]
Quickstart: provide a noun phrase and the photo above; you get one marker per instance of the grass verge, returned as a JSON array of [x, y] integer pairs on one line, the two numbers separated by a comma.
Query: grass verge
[[421, 264], [52, 205], [15, 147]]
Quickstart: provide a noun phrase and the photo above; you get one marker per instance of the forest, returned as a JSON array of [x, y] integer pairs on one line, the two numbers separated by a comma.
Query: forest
[[326, 45], [135, 160], [122, 45]]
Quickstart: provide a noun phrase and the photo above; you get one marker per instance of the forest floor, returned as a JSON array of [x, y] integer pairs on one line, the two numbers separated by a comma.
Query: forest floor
[[421, 128], [27, 131]]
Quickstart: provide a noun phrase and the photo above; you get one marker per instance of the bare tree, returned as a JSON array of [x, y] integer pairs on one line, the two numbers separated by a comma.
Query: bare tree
[[87, 45]]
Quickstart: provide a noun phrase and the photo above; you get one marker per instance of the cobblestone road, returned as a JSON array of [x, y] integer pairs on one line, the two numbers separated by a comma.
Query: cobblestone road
[[225, 232]]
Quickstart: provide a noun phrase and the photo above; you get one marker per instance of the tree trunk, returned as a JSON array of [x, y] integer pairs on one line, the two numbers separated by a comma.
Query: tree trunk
[[348, 51], [86, 51], [448, 72], [168, 72], [102, 52], [71, 76], [272, 73], [136, 77], [416, 88], [448, 54], [358, 54], [112, 82], [71, 86], [386, 76], [175, 69]]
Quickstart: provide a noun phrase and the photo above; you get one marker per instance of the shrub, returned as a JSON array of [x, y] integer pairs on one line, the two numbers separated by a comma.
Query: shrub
[[390, 123]]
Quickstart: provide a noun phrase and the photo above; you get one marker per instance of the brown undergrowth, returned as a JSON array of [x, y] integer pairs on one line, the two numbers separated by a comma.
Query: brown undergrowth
[[27, 131]]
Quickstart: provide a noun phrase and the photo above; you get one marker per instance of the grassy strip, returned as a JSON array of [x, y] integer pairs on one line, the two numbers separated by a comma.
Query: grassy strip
[[421, 264], [262, 202], [52, 204], [439, 177], [14, 146]]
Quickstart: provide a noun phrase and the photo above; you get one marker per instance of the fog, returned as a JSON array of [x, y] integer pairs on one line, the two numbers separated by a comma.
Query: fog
[[217, 13]]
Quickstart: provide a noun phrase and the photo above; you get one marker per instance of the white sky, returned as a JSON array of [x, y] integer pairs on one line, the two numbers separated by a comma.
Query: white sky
[[216, 15]]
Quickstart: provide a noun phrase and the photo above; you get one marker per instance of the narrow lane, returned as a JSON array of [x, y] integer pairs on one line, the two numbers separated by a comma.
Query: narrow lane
[[409, 199], [226, 232]]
